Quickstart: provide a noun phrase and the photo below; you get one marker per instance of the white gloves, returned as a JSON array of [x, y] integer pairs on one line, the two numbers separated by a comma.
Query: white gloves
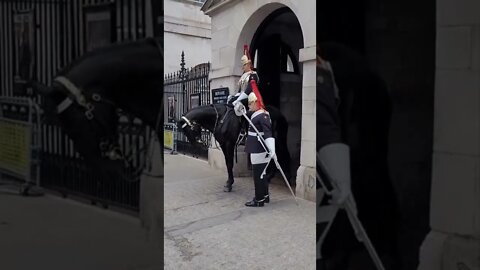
[[334, 160], [271, 146], [239, 109], [240, 98]]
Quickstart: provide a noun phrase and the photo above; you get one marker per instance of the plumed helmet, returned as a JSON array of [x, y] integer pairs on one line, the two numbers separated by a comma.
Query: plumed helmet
[[245, 60], [246, 56], [252, 97]]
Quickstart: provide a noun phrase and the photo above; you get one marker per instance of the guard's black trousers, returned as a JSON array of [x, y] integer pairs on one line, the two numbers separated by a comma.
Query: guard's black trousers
[[261, 185]]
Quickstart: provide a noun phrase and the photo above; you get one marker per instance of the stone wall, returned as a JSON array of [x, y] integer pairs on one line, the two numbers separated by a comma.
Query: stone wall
[[454, 242]]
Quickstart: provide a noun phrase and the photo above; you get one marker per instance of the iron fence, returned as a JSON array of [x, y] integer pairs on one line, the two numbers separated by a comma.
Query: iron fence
[[59, 31], [184, 90]]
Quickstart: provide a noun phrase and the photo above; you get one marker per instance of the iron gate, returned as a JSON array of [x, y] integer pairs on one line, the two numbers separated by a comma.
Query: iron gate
[[184, 90], [61, 31]]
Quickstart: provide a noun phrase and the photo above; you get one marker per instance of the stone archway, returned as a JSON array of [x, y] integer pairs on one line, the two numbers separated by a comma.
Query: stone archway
[[275, 49], [235, 23]]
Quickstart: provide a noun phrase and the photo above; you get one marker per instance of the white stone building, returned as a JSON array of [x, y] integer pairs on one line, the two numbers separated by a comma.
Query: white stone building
[[454, 239], [282, 40], [186, 29]]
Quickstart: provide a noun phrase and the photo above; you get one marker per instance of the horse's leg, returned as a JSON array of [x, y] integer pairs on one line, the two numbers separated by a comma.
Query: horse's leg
[[228, 152]]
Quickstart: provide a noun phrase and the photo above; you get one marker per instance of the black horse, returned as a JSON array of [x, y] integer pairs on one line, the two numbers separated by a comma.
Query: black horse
[[87, 93], [221, 121]]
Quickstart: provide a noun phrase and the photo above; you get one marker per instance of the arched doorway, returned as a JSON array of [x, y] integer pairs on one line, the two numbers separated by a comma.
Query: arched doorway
[[275, 51]]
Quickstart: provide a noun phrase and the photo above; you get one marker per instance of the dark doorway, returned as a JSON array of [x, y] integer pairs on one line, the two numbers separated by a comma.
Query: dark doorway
[[275, 51], [268, 69], [388, 38]]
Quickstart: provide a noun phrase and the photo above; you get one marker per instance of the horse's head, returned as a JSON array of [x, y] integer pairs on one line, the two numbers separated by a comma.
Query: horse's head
[[92, 126], [191, 129], [86, 96]]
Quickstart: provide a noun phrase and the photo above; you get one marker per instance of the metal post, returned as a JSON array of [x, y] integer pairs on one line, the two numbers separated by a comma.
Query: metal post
[[174, 148]]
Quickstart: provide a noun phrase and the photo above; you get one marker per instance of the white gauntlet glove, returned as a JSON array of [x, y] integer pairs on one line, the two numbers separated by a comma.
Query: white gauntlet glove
[[271, 146], [240, 98], [239, 109], [334, 160]]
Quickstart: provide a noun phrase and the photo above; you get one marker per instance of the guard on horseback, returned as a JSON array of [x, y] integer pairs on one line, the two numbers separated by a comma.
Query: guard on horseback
[[259, 157], [245, 81]]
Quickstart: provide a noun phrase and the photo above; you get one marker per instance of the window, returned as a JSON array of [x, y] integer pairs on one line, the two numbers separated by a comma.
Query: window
[[288, 62]]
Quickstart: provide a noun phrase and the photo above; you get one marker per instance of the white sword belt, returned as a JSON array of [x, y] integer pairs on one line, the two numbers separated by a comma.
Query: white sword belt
[[250, 133]]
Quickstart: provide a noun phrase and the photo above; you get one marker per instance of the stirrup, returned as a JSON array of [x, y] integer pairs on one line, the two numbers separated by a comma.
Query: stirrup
[[241, 138]]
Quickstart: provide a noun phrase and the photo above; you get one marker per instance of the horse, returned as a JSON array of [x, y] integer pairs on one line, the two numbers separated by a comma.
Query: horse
[[221, 121], [364, 113], [86, 95]]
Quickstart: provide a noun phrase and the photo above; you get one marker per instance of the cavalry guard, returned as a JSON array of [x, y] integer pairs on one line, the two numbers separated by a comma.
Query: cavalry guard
[[245, 82], [259, 154]]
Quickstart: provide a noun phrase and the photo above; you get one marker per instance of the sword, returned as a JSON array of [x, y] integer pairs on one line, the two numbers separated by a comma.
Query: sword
[[274, 157], [350, 208]]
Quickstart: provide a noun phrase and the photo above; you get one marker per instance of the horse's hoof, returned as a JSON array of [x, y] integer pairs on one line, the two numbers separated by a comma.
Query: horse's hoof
[[227, 189]]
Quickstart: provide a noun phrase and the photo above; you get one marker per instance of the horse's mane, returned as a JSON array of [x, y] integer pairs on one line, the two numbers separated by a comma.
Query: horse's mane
[[107, 50], [217, 105]]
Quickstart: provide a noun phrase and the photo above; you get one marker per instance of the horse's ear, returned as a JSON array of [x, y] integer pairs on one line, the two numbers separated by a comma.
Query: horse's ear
[[40, 88], [178, 122]]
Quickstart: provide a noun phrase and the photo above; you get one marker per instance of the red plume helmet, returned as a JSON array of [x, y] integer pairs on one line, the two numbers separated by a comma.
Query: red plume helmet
[[253, 83], [255, 90]]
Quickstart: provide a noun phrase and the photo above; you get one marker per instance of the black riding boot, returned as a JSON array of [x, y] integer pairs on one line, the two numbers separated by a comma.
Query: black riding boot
[[255, 203], [260, 187]]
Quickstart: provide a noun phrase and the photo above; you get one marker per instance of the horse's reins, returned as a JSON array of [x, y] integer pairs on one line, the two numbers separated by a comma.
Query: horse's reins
[[215, 126], [190, 124], [81, 100], [237, 142], [79, 97]]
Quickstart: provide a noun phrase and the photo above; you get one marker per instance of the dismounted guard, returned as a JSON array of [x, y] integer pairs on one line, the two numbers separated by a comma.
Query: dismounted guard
[[259, 154]]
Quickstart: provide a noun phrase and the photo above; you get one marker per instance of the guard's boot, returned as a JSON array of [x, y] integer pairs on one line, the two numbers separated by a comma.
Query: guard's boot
[[255, 203], [266, 198]]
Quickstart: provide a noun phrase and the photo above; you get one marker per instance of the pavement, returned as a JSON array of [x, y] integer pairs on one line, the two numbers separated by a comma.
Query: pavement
[[52, 233], [206, 228]]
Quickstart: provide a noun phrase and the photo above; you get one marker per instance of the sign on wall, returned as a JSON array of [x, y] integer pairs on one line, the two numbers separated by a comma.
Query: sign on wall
[[220, 95]]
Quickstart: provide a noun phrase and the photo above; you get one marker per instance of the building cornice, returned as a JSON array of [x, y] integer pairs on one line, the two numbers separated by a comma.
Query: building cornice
[[211, 7]]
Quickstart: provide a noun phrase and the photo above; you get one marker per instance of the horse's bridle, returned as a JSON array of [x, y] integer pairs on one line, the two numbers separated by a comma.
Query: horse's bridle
[[193, 124], [107, 147]]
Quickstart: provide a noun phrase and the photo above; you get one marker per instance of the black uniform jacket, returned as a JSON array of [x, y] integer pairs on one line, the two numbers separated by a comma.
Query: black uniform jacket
[[262, 122]]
